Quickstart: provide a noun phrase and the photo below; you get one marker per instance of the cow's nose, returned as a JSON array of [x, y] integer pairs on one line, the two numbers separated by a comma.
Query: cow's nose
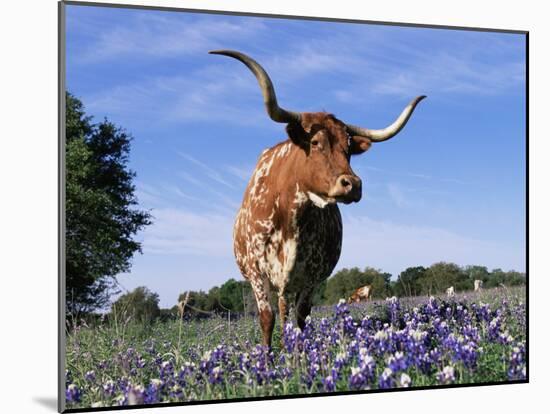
[[345, 182], [348, 187]]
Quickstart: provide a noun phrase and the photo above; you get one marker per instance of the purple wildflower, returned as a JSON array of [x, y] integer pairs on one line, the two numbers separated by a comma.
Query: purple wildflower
[[72, 393]]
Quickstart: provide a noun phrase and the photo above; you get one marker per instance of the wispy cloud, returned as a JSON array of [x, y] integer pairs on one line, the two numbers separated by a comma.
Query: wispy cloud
[[230, 203], [215, 88], [148, 195], [183, 232], [209, 171], [397, 195], [443, 73], [419, 175], [146, 35], [174, 189], [205, 95], [190, 178], [404, 174], [244, 173]]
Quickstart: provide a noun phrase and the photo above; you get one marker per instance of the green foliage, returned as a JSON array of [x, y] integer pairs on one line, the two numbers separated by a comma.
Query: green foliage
[[234, 296], [140, 305], [440, 276], [434, 280], [408, 281], [344, 282], [477, 273], [319, 295], [101, 213]]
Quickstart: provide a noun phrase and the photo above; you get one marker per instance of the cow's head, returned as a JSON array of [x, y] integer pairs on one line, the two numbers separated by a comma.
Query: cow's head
[[327, 143]]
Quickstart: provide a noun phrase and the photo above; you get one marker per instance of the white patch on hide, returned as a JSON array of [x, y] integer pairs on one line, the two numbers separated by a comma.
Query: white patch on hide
[[318, 201]]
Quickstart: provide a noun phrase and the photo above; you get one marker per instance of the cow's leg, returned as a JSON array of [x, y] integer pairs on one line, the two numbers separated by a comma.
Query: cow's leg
[[267, 317], [303, 307], [283, 314]]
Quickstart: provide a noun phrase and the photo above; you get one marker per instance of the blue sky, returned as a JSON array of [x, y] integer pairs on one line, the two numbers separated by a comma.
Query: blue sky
[[450, 186]]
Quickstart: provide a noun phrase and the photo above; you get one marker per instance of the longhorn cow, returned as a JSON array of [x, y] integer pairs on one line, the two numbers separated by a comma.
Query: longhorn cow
[[478, 285], [359, 294], [288, 232]]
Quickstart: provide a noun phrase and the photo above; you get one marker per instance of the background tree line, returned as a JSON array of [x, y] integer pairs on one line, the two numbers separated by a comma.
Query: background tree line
[[237, 297]]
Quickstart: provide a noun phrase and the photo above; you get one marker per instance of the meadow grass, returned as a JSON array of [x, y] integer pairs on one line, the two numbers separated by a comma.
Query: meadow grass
[[472, 338]]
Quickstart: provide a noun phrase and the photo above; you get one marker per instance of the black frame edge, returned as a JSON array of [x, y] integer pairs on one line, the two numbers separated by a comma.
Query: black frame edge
[[293, 17]]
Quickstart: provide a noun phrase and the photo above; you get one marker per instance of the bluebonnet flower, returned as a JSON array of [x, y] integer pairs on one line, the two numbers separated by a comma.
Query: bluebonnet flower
[[341, 309], [328, 383], [121, 399], [404, 380], [140, 362], [495, 328], [136, 395], [386, 378], [244, 361], [349, 325], [367, 323], [397, 362], [216, 375], [393, 307], [176, 391], [109, 388], [446, 375], [152, 392], [166, 369], [89, 376], [483, 312], [517, 368], [72, 393], [382, 340], [505, 338], [441, 328], [357, 380], [123, 383], [290, 337], [68, 377], [102, 365]]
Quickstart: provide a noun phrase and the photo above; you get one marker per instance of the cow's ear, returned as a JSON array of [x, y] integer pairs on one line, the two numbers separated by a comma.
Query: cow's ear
[[298, 134], [359, 145]]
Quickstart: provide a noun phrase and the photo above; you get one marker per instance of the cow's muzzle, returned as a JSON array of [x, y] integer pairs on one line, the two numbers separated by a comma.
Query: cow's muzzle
[[347, 189]]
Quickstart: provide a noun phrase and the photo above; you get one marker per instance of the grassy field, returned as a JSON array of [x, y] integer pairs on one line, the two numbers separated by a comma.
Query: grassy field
[[472, 338]]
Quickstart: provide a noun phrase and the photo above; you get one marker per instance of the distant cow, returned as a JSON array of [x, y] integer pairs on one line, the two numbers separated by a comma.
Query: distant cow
[[450, 292], [478, 284], [359, 294], [288, 231]]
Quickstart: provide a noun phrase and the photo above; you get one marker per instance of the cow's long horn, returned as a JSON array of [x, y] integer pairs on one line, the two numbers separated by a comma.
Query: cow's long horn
[[275, 112], [379, 135]]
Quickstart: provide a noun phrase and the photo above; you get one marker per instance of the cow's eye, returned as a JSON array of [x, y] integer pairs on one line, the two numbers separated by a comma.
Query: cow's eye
[[314, 142]]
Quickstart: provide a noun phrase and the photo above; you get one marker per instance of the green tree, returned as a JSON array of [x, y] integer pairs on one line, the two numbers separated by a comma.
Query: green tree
[[342, 284], [476, 272], [513, 278], [140, 305], [233, 294], [439, 276], [408, 281], [200, 303], [319, 295], [101, 213]]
